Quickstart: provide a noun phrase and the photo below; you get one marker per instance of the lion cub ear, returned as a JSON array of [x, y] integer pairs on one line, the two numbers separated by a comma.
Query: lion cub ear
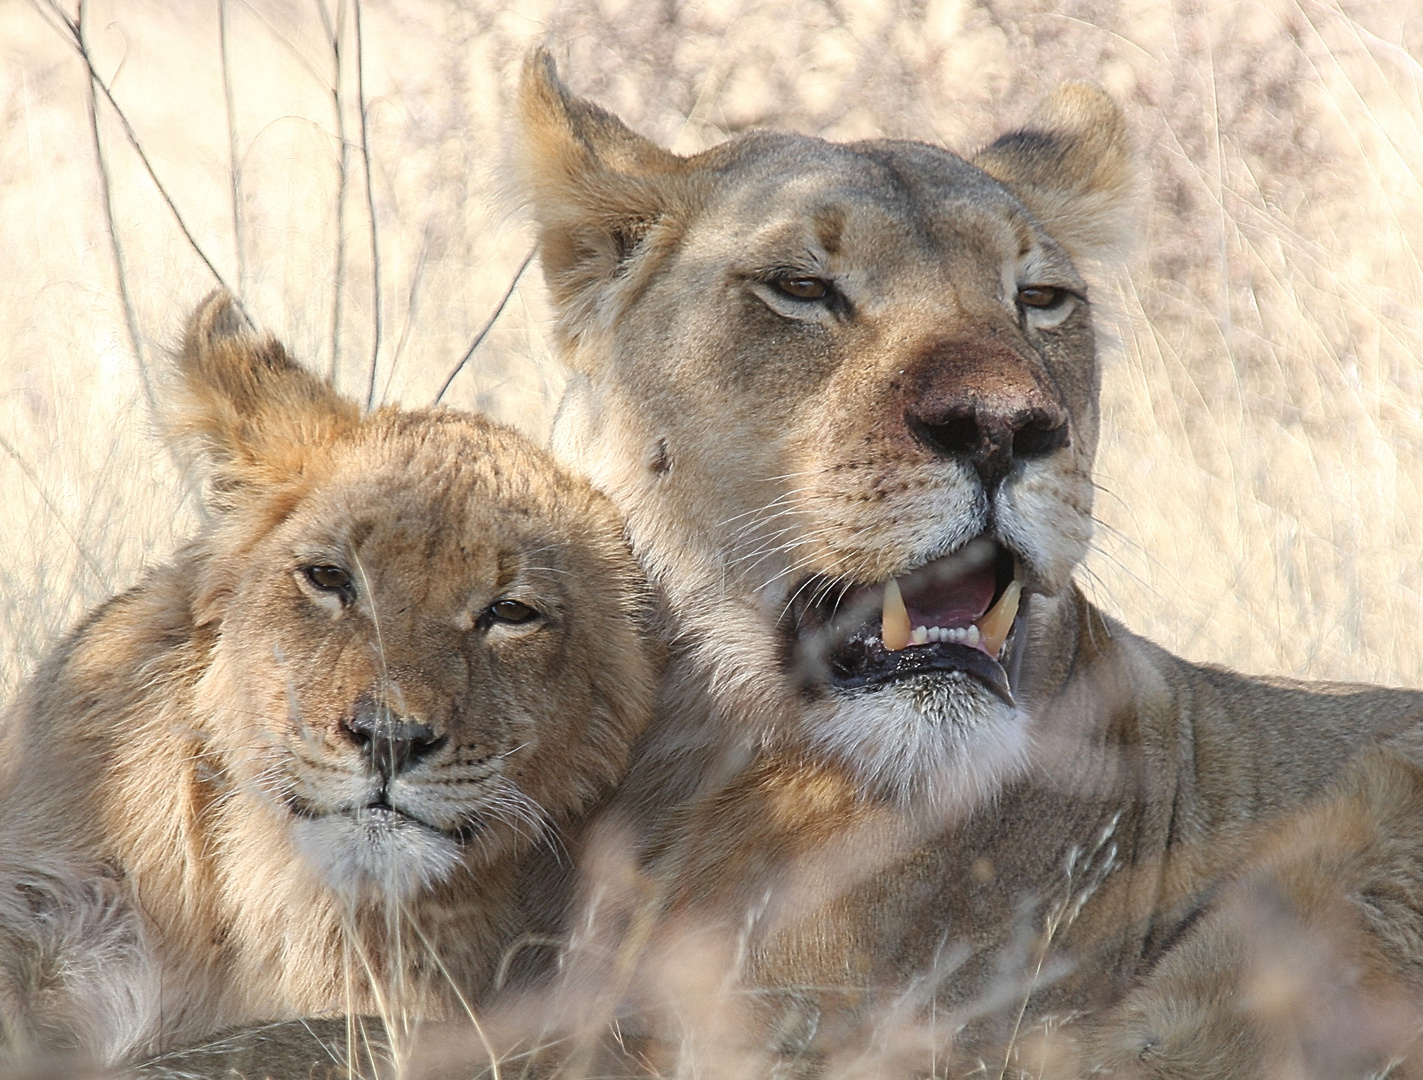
[[606, 200], [240, 409], [1071, 166]]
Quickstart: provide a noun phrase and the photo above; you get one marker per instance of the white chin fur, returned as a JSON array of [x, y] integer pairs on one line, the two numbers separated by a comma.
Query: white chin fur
[[936, 745], [376, 855]]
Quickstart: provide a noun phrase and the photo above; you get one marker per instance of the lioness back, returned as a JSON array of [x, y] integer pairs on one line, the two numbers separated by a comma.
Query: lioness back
[[323, 758]]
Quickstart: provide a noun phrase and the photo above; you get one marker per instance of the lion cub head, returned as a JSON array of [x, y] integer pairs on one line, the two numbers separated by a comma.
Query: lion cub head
[[846, 395], [424, 638], [324, 758]]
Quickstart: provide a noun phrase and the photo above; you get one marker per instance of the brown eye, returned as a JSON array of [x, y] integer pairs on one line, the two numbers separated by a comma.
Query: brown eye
[[329, 579], [511, 611], [1040, 296], [804, 288]]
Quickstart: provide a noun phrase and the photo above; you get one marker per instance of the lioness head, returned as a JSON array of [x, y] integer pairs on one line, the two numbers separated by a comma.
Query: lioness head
[[846, 396], [424, 636]]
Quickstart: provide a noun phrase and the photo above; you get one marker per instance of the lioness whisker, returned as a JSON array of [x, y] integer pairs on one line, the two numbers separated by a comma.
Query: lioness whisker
[[827, 571], [771, 542], [783, 497], [801, 540], [799, 566]]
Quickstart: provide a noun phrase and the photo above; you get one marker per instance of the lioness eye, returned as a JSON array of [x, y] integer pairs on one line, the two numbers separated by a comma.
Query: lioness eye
[[804, 288], [329, 578], [1040, 296], [511, 611]]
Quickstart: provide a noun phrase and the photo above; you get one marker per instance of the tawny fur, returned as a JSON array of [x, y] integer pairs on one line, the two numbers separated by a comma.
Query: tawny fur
[[183, 787], [1029, 865], [1308, 962]]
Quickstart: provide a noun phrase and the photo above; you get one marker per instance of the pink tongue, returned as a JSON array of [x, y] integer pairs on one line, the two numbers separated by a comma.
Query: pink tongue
[[934, 599]]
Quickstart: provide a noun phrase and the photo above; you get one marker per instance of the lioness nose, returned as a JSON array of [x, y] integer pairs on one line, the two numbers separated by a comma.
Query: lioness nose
[[390, 743], [991, 435], [979, 401]]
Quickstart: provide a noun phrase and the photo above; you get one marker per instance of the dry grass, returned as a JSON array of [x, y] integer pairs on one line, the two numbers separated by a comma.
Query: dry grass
[[1262, 458]]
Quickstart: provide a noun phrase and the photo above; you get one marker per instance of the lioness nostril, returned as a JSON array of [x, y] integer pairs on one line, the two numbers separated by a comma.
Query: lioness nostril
[[1040, 435], [952, 435], [990, 436]]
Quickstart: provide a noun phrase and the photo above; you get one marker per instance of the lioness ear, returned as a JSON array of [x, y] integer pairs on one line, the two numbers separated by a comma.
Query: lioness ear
[[240, 408], [1071, 166], [604, 197]]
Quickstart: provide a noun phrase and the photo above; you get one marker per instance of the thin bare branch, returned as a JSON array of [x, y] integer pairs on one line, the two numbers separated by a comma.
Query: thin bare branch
[[335, 32], [412, 307], [234, 171], [74, 32], [489, 324], [115, 245], [370, 205]]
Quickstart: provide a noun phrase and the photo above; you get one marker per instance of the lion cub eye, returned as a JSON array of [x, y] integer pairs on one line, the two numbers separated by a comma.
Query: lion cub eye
[[329, 579], [1041, 296], [511, 611], [804, 288]]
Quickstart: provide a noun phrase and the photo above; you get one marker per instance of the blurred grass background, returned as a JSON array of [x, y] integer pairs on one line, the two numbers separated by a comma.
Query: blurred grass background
[[1262, 456]]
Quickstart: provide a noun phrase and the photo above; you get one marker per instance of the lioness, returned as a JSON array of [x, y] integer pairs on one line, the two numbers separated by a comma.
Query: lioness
[[319, 760], [846, 397]]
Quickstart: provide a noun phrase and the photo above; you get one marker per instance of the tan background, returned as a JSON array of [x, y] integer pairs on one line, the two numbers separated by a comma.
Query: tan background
[[1262, 462]]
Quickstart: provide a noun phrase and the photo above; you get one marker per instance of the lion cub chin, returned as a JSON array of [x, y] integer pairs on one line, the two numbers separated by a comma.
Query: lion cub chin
[[321, 758]]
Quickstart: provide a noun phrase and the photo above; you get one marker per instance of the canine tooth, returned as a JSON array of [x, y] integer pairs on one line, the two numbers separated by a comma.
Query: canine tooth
[[894, 626], [994, 626], [920, 636]]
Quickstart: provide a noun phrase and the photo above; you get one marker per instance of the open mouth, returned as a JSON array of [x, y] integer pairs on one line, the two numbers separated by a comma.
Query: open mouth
[[955, 614]]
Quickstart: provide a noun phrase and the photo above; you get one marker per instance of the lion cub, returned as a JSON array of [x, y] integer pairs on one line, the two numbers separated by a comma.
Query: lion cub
[[318, 759]]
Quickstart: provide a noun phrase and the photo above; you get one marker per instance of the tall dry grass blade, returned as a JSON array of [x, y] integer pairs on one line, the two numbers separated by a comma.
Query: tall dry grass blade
[[234, 160], [412, 308], [116, 249], [335, 32], [464, 1002], [377, 315]]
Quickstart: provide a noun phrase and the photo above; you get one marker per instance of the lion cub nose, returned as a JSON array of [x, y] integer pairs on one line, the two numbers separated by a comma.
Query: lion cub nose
[[389, 743]]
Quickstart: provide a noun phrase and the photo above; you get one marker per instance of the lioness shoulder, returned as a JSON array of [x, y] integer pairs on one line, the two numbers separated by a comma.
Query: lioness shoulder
[[322, 758]]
